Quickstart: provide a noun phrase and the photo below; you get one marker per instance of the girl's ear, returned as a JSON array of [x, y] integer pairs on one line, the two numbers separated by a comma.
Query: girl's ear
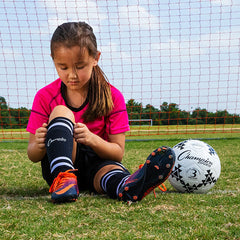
[[97, 58]]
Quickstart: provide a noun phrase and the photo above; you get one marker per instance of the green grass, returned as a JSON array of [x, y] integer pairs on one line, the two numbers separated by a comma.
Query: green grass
[[27, 213]]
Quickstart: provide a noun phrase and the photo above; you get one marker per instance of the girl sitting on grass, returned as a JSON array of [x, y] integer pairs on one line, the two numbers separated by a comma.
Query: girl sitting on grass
[[77, 127]]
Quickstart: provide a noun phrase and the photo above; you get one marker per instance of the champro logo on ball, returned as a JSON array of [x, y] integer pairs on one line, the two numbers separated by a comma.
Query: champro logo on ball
[[197, 167], [188, 155]]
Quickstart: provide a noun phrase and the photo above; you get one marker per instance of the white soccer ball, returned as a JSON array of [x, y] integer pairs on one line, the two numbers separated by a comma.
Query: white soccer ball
[[197, 167]]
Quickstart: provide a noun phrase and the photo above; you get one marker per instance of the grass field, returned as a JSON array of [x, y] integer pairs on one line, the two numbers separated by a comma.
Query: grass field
[[27, 213]]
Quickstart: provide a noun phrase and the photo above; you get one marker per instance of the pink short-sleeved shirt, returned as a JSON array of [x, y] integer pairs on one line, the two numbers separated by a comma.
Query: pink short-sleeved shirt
[[52, 95]]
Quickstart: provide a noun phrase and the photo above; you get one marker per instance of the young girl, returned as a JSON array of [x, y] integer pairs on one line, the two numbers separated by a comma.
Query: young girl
[[77, 127]]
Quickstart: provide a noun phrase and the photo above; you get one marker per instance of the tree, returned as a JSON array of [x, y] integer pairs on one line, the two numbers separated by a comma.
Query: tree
[[169, 113], [164, 113], [3, 103], [134, 109], [150, 112], [173, 114], [133, 106], [13, 117], [19, 117], [4, 113], [200, 115]]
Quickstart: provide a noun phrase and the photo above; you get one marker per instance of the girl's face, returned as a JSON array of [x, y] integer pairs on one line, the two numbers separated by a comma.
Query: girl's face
[[74, 67]]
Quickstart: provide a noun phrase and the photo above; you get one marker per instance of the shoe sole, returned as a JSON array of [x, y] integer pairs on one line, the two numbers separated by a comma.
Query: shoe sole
[[64, 199], [69, 196], [154, 172]]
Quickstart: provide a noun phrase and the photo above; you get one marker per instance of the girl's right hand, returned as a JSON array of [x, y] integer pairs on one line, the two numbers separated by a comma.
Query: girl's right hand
[[40, 136]]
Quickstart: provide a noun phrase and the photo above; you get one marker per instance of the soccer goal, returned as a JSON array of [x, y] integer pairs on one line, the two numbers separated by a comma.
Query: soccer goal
[[176, 62]]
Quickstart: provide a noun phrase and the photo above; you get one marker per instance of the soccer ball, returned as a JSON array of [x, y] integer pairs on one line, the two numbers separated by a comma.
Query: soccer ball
[[197, 167]]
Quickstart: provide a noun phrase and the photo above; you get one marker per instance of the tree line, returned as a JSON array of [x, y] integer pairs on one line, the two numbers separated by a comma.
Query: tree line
[[167, 114], [170, 114], [11, 118]]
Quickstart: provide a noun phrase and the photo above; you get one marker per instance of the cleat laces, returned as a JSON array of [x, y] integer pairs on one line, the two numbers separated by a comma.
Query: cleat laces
[[61, 179]]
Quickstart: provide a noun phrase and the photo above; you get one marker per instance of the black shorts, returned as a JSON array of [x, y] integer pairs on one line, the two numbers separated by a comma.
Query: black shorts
[[88, 164]]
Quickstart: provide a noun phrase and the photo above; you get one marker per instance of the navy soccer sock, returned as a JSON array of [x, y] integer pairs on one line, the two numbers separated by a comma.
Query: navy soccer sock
[[59, 145], [112, 181]]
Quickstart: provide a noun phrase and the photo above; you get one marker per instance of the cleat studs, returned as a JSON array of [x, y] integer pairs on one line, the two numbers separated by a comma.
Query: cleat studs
[[153, 153], [168, 165], [164, 149], [140, 166], [157, 167], [159, 150], [135, 198], [170, 156], [126, 189], [160, 177], [120, 195], [148, 161]]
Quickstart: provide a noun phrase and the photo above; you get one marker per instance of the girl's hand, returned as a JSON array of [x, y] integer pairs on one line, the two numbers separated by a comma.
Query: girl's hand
[[82, 134], [40, 136]]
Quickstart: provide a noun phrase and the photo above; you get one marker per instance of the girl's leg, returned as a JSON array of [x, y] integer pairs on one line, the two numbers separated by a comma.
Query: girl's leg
[[62, 111], [118, 183], [61, 151], [109, 179]]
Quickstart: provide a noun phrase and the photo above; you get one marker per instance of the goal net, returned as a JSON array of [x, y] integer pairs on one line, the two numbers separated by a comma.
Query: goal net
[[175, 61]]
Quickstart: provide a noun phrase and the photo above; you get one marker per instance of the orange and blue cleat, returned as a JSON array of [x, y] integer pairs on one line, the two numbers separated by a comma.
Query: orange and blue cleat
[[64, 187], [154, 172]]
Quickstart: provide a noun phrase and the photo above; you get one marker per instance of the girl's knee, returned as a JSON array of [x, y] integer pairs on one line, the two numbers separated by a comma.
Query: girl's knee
[[62, 111]]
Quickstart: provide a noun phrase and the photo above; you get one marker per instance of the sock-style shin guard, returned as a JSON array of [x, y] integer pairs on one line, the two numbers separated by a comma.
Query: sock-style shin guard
[[59, 145], [112, 181]]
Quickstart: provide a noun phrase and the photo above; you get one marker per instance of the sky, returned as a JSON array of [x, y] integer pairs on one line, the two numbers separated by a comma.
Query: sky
[[176, 51]]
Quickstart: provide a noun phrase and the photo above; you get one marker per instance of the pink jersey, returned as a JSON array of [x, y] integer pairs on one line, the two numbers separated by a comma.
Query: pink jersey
[[52, 95]]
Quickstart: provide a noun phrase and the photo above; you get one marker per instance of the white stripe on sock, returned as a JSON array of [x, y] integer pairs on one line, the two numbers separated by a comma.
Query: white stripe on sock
[[106, 178], [61, 164], [121, 184], [60, 158], [61, 124]]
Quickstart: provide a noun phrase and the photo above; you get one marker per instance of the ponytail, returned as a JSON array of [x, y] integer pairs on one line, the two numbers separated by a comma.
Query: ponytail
[[99, 96]]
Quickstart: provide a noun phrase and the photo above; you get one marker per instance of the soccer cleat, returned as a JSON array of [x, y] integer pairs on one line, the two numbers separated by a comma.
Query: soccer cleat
[[154, 172], [162, 186], [64, 187]]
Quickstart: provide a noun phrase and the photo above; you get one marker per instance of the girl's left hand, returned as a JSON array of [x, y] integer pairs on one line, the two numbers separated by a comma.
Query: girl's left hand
[[82, 134]]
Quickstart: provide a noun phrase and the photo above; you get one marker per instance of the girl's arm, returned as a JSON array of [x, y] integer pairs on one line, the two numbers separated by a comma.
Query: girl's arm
[[112, 150], [36, 146]]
